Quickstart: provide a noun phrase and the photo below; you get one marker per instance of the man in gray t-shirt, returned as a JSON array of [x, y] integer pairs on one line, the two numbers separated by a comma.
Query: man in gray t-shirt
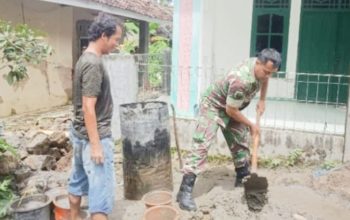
[[91, 80], [93, 167]]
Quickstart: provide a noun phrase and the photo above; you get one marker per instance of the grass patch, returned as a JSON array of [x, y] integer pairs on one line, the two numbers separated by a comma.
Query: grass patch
[[293, 159], [211, 159], [330, 164]]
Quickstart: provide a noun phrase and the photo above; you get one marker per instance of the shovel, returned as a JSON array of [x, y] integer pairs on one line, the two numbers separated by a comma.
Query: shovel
[[255, 187]]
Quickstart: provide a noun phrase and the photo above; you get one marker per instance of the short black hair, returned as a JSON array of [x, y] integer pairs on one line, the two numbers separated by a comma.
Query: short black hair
[[103, 23], [270, 54]]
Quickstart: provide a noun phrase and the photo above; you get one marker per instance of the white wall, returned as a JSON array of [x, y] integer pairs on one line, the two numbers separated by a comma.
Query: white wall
[[226, 30], [293, 38], [274, 142], [124, 85], [225, 41], [284, 88], [224, 38], [49, 83]]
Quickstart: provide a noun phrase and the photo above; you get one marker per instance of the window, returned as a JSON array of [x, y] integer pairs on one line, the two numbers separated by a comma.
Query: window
[[82, 35], [326, 4], [270, 27]]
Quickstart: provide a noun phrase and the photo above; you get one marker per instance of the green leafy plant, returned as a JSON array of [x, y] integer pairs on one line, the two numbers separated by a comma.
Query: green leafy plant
[[20, 46], [129, 43], [218, 159], [153, 27], [295, 157], [6, 196], [5, 147], [156, 48], [6, 193], [328, 165], [128, 46], [159, 45], [131, 27], [271, 163]]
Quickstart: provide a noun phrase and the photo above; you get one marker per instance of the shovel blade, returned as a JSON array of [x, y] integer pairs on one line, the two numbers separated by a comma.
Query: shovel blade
[[255, 183], [255, 190]]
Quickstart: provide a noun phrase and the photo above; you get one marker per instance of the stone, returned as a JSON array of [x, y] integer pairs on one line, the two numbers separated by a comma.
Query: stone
[[58, 139], [207, 217], [23, 154], [69, 146], [8, 163], [298, 217], [40, 162], [39, 144], [44, 123], [65, 163], [205, 210], [22, 173], [55, 152], [63, 151], [15, 139], [2, 128]]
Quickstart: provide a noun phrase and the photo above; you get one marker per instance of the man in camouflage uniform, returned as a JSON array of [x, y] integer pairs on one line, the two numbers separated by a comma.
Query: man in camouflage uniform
[[220, 107]]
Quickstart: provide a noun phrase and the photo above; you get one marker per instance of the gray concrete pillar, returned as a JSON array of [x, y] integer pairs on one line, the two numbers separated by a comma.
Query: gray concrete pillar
[[144, 37]]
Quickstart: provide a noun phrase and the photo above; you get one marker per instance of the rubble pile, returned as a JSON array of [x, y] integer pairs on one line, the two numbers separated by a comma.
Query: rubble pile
[[43, 150]]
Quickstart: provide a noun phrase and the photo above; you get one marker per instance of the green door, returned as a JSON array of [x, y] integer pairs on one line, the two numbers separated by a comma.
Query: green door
[[270, 28], [324, 47]]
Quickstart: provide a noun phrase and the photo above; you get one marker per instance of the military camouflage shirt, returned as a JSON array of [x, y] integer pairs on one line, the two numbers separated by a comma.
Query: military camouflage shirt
[[236, 89]]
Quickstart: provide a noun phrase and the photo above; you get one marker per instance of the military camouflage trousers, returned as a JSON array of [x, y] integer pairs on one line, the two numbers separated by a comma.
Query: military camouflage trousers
[[208, 122]]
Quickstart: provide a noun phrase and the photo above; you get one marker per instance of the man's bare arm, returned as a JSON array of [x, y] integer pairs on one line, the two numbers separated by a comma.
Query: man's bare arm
[[89, 112], [236, 115], [260, 107]]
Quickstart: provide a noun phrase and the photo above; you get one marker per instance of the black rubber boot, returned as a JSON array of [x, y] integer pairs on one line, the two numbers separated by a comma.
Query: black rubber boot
[[184, 196], [241, 172]]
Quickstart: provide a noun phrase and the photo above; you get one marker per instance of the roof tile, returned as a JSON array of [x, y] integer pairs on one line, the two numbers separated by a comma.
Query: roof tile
[[144, 7]]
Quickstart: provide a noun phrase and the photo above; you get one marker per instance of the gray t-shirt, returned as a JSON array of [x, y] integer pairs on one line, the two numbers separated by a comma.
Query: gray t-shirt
[[91, 80]]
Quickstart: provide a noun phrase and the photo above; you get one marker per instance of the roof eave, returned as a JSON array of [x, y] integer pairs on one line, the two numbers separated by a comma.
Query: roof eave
[[108, 9]]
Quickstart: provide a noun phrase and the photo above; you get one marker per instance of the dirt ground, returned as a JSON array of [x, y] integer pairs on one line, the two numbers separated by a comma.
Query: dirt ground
[[293, 194], [296, 193]]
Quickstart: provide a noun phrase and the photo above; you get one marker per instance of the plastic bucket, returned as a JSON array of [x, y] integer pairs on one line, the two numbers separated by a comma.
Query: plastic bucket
[[31, 207], [163, 212], [62, 208], [52, 193], [157, 198]]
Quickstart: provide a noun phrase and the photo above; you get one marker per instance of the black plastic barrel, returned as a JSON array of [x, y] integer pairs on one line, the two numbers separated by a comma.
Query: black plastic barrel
[[146, 148]]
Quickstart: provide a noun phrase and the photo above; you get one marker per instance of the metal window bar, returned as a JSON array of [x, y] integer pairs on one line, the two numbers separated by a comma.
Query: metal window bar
[[302, 101], [345, 4], [338, 89], [327, 95], [271, 3], [326, 4]]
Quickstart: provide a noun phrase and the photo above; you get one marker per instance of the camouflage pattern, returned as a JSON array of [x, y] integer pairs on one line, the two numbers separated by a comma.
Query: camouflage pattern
[[236, 89]]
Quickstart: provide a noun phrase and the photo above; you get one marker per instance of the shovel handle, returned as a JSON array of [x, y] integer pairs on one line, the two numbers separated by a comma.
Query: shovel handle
[[256, 140]]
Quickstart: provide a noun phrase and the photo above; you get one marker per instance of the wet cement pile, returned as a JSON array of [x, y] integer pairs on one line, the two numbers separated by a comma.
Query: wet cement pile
[[291, 195], [255, 191], [256, 200]]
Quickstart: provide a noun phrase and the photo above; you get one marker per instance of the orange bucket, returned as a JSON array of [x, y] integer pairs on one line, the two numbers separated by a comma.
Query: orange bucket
[[162, 212], [156, 198], [62, 208]]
